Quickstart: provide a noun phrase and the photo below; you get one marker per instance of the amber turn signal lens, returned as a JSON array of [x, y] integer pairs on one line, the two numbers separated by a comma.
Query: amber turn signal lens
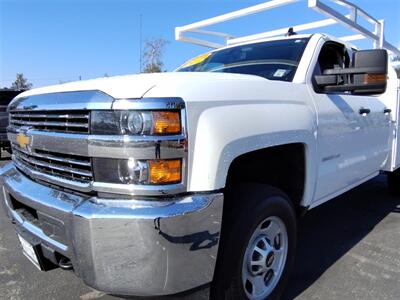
[[374, 78], [166, 122], [165, 171]]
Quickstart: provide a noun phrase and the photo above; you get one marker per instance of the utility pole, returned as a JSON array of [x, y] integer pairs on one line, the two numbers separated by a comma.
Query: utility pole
[[140, 43]]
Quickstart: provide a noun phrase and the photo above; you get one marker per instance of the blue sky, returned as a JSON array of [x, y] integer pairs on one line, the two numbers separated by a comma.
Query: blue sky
[[59, 40]]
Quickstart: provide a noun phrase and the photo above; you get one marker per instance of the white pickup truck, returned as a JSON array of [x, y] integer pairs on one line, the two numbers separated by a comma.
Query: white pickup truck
[[160, 183]]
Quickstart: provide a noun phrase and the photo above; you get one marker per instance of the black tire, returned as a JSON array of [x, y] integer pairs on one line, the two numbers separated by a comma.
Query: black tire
[[257, 202], [394, 182]]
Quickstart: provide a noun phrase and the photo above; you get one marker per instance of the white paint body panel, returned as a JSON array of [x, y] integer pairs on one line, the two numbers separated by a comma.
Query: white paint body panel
[[230, 114]]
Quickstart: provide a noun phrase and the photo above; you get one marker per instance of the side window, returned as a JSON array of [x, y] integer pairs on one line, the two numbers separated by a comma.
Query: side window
[[332, 56]]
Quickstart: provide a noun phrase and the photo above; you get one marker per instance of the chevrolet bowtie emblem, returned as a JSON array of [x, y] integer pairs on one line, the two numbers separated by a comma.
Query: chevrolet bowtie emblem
[[23, 140]]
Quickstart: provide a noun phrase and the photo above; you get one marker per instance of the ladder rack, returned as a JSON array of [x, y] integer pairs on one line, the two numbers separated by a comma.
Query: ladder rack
[[350, 20]]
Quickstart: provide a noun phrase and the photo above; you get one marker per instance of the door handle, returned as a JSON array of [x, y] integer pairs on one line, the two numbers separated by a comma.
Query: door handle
[[364, 111], [387, 111]]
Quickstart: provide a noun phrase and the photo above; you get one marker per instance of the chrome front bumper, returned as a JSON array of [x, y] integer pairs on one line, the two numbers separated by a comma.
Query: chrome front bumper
[[125, 247]]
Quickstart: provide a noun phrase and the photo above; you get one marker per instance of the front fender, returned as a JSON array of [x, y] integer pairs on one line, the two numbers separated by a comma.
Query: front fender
[[225, 132]]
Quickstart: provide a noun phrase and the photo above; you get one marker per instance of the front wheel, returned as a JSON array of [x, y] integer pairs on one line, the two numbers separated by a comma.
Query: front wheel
[[258, 245], [265, 258]]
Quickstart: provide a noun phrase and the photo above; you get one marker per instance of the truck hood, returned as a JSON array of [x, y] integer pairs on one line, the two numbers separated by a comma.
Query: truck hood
[[129, 86], [190, 86], [136, 86]]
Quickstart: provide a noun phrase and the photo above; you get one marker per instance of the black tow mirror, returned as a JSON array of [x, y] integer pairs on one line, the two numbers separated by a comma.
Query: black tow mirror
[[368, 74]]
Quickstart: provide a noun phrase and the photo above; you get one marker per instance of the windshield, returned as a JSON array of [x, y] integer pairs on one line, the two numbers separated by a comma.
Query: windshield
[[274, 60]]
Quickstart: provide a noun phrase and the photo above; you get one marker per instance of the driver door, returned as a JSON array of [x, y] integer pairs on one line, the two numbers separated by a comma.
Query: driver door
[[342, 136]]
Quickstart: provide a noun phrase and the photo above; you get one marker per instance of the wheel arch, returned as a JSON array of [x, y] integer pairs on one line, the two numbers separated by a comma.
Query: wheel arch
[[263, 146], [281, 166]]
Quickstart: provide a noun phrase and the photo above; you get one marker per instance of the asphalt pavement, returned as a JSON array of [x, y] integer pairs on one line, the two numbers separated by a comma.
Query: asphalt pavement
[[348, 248]]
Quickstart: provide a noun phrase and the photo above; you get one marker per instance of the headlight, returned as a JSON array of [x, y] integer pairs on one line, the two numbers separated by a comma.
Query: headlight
[[131, 171], [151, 123], [136, 122], [132, 122]]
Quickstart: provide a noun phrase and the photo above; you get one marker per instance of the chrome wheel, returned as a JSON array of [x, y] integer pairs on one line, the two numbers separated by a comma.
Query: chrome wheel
[[265, 258]]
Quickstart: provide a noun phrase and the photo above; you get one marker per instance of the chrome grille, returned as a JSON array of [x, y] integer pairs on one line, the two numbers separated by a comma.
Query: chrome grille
[[58, 121], [65, 166]]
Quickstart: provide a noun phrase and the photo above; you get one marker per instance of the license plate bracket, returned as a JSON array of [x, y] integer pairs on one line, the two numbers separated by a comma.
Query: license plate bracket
[[32, 252]]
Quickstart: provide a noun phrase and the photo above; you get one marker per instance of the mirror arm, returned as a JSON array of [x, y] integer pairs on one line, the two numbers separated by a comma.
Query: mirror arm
[[350, 87], [353, 71]]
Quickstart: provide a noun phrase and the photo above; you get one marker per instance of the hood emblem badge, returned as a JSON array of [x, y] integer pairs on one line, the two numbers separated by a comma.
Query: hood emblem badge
[[23, 140]]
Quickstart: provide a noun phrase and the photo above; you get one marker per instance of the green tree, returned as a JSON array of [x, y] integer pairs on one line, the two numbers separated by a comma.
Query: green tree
[[152, 55], [21, 83]]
